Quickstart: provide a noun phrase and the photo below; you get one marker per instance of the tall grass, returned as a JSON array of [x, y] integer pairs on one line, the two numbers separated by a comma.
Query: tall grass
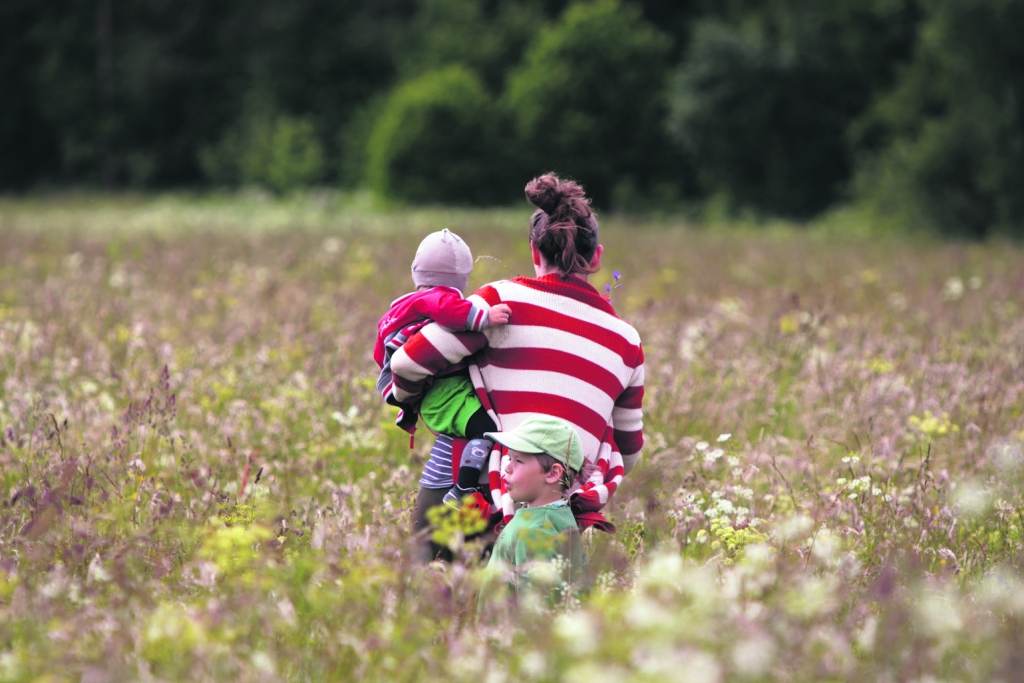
[[199, 481]]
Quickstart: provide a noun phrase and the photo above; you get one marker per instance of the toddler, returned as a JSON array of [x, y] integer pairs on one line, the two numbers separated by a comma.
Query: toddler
[[450, 406], [544, 458]]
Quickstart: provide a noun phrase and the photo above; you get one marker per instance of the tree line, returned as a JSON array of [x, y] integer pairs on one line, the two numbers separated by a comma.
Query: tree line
[[777, 107]]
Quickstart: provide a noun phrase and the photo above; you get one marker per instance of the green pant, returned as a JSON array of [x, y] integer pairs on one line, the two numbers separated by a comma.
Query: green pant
[[449, 404]]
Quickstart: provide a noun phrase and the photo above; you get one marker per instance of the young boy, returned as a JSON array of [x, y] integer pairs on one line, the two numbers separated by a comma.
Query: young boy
[[545, 456], [440, 272]]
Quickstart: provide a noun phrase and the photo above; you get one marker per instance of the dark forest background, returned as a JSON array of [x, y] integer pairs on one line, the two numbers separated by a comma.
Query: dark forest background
[[772, 107]]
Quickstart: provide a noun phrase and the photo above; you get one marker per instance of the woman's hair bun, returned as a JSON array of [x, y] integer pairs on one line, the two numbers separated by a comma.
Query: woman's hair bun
[[548, 192]]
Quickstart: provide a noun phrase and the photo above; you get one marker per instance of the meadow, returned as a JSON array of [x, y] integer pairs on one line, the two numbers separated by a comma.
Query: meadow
[[199, 481]]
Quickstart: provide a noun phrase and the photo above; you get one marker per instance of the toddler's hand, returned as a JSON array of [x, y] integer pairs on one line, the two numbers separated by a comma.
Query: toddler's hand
[[499, 314]]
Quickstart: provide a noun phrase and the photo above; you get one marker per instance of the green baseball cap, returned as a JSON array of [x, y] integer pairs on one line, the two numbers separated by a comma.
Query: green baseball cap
[[545, 434]]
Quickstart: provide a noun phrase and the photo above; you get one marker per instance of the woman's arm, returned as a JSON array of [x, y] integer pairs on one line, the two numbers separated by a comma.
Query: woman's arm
[[627, 418]]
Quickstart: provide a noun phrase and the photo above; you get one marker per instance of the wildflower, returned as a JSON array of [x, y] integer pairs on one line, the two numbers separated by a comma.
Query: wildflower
[[724, 437], [953, 289], [971, 499], [933, 425], [897, 301], [753, 657], [578, 631], [701, 445], [712, 456]]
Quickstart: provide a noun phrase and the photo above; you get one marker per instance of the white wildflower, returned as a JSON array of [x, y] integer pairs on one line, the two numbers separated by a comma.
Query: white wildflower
[[712, 456], [578, 631], [752, 657], [971, 499], [953, 289], [724, 437], [332, 245], [701, 445]]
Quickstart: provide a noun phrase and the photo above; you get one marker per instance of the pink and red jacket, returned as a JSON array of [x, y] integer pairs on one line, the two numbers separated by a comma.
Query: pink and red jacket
[[443, 305]]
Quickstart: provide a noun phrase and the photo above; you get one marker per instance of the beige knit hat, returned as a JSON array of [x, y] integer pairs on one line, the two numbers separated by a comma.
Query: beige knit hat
[[442, 259]]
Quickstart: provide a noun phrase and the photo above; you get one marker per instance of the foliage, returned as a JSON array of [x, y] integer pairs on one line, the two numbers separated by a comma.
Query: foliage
[[859, 466], [587, 99], [282, 156], [487, 38], [437, 141], [952, 131], [177, 77], [761, 108], [763, 101]]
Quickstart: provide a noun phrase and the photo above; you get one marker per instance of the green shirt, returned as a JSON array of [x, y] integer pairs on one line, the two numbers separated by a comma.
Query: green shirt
[[541, 533]]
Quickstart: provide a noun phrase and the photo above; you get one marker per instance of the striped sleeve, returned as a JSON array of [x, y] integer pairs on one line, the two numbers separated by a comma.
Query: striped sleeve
[[477, 319], [627, 414], [429, 353]]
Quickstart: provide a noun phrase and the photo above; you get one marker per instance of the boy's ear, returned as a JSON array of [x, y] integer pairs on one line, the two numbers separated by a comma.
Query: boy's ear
[[555, 474]]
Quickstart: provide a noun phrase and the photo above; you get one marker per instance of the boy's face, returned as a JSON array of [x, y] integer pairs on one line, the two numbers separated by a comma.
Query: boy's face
[[525, 477]]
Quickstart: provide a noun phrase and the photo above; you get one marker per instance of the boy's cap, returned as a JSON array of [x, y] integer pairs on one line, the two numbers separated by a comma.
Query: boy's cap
[[442, 259], [544, 434]]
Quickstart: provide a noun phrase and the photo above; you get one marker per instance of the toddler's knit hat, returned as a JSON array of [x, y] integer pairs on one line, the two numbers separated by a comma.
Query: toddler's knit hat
[[442, 259]]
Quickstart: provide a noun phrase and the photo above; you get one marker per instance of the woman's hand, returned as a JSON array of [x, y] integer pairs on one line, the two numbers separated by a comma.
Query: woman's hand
[[499, 314]]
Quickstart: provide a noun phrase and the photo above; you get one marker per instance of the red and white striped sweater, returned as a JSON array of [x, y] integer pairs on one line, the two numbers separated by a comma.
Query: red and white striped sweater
[[564, 353]]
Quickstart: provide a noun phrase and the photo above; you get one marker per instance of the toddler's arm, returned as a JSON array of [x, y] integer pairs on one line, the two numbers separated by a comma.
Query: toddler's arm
[[447, 308]]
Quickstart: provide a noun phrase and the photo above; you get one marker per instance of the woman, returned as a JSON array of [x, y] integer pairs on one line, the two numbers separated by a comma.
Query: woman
[[563, 353]]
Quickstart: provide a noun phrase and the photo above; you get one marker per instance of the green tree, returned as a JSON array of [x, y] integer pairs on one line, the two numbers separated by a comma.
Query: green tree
[[763, 101], [118, 93], [486, 37], [588, 100], [437, 141], [952, 155]]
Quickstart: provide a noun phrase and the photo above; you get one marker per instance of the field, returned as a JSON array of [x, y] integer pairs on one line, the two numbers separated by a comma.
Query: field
[[200, 483]]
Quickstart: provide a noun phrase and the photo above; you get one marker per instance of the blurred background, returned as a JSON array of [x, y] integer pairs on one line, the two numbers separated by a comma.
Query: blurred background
[[908, 111]]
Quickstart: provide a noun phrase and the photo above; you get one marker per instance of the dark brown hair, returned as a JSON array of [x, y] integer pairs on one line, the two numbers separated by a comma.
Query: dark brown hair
[[547, 462], [564, 227]]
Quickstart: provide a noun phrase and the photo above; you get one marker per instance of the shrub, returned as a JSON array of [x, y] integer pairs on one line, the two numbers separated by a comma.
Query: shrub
[[588, 100], [436, 141], [283, 155]]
